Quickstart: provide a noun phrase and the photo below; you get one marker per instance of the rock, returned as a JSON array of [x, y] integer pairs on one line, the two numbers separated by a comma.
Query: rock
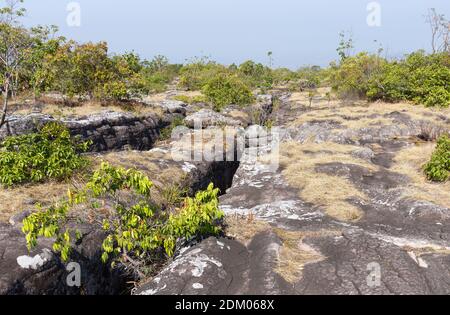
[[206, 117], [360, 264], [262, 109], [108, 130], [364, 153], [174, 107], [16, 220], [40, 272], [220, 266]]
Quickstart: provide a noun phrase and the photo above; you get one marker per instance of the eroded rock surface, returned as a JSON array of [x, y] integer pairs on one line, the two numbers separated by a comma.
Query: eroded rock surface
[[107, 130], [220, 266], [396, 240], [330, 200]]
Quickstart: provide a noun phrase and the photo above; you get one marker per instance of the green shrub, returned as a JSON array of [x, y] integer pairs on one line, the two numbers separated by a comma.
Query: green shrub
[[222, 90], [255, 75], [438, 169], [195, 75], [350, 79], [420, 78], [49, 153], [135, 229]]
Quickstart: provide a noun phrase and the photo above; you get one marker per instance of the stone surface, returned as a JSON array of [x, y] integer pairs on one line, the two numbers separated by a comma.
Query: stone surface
[[108, 130], [220, 266], [206, 117], [40, 272], [400, 246]]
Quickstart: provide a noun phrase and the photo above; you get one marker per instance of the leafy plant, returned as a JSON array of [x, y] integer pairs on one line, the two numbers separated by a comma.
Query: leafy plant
[[223, 90], [438, 168], [420, 78], [134, 228], [195, 75], [49, 153]]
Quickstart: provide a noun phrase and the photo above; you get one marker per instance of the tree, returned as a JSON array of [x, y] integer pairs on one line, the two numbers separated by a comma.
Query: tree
[[345, 45], [45, 45], [270, 54], [440, 31], [14, 40]]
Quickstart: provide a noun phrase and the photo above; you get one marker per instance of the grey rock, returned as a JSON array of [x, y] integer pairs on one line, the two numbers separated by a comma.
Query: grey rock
[[220, 266], [108, 130], [174, 107], [40, 272], [207, 117], [364, 153]]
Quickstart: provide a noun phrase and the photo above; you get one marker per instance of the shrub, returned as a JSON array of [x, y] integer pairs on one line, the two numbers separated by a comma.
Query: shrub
[[157, 73], [49, 153], [222, 90], [256, 75], [195, 75], [135, 229], [438, 168], [420, 78], [351, 77]]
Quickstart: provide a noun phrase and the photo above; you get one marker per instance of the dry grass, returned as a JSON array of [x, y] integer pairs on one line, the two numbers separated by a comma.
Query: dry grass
[[355, 115], [330, 192], [238, 114], [244, 228], [17, 199], [90, 108], [294, 254], [410, 161], [163, 175]]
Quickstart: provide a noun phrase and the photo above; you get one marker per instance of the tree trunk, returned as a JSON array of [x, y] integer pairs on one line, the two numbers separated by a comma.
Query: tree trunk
[[5, 101]]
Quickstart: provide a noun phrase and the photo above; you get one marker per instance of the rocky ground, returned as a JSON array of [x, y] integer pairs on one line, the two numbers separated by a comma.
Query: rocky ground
[[339, 204]]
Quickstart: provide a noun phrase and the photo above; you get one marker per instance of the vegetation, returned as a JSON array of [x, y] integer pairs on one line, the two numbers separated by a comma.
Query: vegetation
[[438, 168], [135, 228], [50, 153], [222, 90], [191, 99], [420, 78], [166, 133]]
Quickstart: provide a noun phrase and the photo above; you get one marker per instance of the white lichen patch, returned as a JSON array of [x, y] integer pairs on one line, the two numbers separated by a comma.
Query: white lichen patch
[[197, 286], [28, 262]]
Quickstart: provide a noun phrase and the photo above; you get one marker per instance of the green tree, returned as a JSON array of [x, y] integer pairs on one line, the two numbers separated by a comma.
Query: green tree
[[14, 40], [345, 45]]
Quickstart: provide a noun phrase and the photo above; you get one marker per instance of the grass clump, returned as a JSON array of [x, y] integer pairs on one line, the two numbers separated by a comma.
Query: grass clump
[[191, 99]]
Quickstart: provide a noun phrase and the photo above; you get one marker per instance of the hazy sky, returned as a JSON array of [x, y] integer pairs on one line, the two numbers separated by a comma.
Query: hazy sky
[[298, 32]]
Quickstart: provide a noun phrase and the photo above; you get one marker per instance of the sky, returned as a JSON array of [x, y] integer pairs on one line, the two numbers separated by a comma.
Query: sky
[[297, 32]]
